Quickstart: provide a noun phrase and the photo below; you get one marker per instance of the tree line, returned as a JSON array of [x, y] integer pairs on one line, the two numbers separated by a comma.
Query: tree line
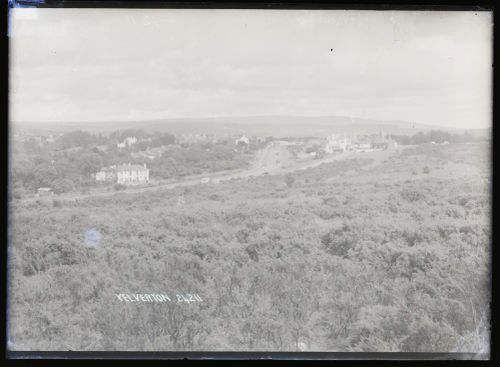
[[436, 136], [70, 161]]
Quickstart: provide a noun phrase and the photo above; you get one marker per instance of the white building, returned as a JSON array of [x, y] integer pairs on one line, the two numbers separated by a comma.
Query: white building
[[106, 174], [132, 173], [124, 174], [131, 140], [336, 143], [363, 146], [45, 191], [242, 140]]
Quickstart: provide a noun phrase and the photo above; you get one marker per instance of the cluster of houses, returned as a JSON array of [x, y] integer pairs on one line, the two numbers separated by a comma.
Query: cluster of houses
[[355, 142]]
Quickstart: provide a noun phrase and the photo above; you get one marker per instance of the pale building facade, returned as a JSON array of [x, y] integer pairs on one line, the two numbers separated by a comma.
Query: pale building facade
[[337, 143], [124, 174], [132, 173]]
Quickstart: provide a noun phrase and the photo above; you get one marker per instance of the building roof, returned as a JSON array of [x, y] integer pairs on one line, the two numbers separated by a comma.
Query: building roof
[[130, 167], [124, 167], [243, 139], [107, 169]]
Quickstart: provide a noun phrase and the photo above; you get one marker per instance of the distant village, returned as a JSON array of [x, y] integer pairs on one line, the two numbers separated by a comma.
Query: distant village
[[130, 174], [354, 142], [137, 158]]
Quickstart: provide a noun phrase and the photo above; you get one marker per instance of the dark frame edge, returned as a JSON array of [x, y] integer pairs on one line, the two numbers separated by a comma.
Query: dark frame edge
[[246, 355]]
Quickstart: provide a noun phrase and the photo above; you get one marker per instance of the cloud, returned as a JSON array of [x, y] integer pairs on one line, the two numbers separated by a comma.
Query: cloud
[[75, 64]]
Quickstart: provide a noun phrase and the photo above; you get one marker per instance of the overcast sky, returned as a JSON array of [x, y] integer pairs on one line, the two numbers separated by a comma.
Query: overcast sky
[[121, 64]]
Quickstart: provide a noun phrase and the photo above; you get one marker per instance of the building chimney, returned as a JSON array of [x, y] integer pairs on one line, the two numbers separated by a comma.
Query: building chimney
[[144, 165]]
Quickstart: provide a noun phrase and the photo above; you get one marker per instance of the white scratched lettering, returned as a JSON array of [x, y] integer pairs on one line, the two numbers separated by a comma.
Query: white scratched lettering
[[158, 297]]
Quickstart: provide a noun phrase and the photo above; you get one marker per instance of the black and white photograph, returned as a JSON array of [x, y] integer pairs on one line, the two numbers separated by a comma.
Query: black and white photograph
[[249, 180]]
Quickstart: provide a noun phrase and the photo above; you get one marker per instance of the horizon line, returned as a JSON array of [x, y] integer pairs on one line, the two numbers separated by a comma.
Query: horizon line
[[158, 119]]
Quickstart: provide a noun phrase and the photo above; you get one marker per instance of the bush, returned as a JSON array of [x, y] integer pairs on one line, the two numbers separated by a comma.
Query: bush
[[339, 241], [412, 195], [289, 180], [119, 187], [62, 185]]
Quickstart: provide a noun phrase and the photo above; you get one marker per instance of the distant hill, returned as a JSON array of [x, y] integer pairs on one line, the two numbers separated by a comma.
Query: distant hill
[[277, 126]]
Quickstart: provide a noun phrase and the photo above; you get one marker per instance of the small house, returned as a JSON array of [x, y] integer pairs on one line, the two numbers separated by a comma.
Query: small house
[[45, 191], [242, 141]]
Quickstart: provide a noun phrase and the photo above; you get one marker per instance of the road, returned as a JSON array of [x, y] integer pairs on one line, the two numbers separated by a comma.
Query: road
[[275, 159]]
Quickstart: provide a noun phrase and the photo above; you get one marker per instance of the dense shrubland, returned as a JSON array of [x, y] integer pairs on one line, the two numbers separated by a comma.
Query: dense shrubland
[[335, 258]]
